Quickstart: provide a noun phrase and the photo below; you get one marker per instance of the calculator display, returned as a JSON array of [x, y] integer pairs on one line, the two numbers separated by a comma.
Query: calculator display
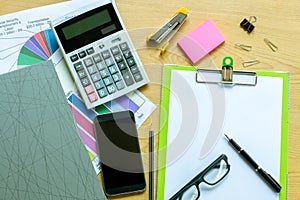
[[88, 27], [82, 26]]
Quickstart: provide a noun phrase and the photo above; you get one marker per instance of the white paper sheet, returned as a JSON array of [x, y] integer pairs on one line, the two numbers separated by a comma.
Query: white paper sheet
[[251, 115], [17, 28]]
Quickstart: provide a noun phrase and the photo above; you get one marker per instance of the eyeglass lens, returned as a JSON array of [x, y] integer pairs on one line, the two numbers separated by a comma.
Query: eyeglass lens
[[213, 176]]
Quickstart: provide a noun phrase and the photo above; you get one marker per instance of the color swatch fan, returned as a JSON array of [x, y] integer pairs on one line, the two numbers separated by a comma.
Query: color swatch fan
[[38, 48]]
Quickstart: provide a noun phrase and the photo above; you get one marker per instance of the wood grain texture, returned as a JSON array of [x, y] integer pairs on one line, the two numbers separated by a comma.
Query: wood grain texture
[[279, 21]]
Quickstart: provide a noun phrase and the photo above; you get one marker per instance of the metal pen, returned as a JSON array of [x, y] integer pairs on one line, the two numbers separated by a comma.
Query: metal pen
[[151, 163], [263, 174]]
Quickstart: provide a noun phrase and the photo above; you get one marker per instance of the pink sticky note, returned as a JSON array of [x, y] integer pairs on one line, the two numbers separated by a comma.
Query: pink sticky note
[[201, 41]]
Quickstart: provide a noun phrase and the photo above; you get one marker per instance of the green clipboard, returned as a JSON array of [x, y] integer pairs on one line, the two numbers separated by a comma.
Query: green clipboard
[[164, 127]]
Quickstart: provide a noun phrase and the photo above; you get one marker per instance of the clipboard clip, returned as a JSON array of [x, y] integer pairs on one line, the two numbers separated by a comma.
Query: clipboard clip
[[172, 25], [226, 75]]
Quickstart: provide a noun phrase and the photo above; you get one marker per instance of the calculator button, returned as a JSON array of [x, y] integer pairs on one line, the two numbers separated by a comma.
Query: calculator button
[[122, 65], [99, 85], [74, 58], [120, 85], [89, 89], [97, 58], [102, 92], [130, 61], [82, 54], [112, 69], [108, 81], [118, 39], [116, 77], [127, 54], [81, 74], [93, 97], [124, 46], [127, 77], [88, 62], [90, 51], [138, 77], [111, 89], [78, 66], [85, 82], [101, 65], [105, 54], [104, 73], [115, 50], [109, 61], [92, 69], [134, 69], [96, 77], [118, 58], [101, 46]]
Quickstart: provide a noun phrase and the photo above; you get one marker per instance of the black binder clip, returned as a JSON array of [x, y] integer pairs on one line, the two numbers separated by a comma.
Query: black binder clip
[[247, 25]]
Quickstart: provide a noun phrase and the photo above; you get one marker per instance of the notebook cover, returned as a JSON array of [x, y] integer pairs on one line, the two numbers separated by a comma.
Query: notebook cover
[[41, 153]]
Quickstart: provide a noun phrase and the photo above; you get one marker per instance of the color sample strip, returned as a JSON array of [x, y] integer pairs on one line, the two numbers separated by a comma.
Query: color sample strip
[[137, 99], [87, 137], [27, 57], [114, 106], [102, 109], [127, 103], [42, 44], [52, 43], [43, 36], [82, 121], [33, 45], [80, 106], [88, 141]]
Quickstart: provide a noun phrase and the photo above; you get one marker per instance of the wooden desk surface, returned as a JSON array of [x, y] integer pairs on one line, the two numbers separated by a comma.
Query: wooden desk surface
[[278, 21]]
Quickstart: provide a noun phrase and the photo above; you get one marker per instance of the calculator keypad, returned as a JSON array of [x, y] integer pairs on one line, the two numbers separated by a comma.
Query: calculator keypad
[[103, 72]]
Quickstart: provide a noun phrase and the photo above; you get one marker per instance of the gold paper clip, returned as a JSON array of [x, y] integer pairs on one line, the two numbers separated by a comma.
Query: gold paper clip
[[243, 46], [272, 46], [250, 63]]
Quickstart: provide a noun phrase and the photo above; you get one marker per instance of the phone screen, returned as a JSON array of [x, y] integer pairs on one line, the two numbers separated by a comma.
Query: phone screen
[[119, 153]]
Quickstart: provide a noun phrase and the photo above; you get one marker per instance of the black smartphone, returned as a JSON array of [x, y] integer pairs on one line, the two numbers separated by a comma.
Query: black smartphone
[[119, 153]]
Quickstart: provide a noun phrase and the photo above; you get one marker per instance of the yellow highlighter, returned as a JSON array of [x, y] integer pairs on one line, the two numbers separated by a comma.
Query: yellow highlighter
[[167, 31]]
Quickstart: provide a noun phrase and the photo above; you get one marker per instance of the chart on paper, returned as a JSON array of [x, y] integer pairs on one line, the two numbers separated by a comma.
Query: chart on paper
[[38, 48], [23, 35]]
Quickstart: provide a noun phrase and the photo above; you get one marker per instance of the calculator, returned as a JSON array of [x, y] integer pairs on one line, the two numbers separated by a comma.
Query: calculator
[[99, 53]]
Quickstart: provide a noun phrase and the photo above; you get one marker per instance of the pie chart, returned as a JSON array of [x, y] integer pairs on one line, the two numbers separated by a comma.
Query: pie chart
[[38, 48]]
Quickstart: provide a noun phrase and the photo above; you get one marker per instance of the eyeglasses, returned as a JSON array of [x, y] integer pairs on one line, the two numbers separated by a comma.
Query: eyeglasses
[[211, 175]]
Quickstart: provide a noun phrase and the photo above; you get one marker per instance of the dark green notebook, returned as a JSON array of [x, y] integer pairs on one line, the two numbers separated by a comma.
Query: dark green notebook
[[41, 152]]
